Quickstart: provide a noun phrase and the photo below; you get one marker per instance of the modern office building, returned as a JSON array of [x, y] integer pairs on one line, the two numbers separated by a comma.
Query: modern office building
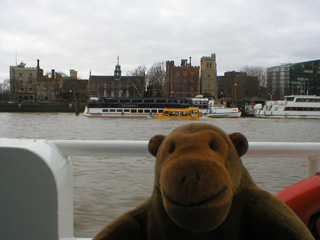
[[301, 78]]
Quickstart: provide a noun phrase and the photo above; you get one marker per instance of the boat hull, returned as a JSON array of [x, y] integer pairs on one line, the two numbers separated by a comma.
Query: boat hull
[[224, 115]]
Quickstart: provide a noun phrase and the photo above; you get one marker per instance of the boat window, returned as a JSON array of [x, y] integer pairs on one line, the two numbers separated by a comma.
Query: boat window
[[161, 101], [105, 110], [173, 101], [147, 110], [290, 98], [140, 110], [124, 100], [149, 101], [160, 111], [133, 110], [126, 110], [137, 100], [112, 100], [112, 110], [119, 110], [154, 110]]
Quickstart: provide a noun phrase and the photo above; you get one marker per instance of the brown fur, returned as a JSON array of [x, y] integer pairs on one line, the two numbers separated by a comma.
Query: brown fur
[[202, 191]]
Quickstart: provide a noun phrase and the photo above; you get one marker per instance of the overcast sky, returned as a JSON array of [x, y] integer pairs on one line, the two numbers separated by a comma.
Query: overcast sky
[[90, 35]]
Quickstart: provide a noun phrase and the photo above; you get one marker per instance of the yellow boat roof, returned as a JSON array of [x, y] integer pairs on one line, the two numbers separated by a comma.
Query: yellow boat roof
[[181, 109]]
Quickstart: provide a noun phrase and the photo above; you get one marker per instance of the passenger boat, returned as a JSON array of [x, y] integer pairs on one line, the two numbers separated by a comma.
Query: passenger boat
[[45, 211], [132, 107], [190, 113], [221, 111], [293, 106]]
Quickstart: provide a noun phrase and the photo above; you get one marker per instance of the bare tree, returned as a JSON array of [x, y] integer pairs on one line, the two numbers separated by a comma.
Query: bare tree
[[156, 78], [256, 71], [5, 90], [138, 80]]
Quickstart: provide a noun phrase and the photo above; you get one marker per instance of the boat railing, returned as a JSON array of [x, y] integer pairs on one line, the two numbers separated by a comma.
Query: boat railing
[[306, 150], [38, 173]]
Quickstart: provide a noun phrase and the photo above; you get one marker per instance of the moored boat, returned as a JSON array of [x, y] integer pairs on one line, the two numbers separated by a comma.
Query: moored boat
[[190, 113], [222, 111], [131, 107], [293, 106]]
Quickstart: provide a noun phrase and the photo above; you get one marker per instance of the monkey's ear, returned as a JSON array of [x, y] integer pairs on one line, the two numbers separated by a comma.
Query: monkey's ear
[[154, 144], [240, 142]]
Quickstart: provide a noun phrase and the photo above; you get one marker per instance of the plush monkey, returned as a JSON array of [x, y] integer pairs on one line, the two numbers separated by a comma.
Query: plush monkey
[[202, 191]]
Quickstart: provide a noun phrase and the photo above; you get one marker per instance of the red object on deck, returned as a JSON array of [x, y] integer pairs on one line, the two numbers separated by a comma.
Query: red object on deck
[[304, 199]]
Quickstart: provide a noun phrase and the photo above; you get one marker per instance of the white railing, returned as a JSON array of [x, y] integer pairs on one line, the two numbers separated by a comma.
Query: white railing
[[308, 150], [53, 156]]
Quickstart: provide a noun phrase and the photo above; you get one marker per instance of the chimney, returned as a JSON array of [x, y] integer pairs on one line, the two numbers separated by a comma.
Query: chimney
[[190, 61], [52, 74], [38, 68], [183, 62]]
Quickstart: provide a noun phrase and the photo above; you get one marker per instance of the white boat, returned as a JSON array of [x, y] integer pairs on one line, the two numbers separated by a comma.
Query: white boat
[[45, 211], [131, 107], [221, 111], [293, 106]]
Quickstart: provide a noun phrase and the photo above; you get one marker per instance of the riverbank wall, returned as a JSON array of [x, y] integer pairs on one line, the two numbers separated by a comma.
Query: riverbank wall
[[42, 107]]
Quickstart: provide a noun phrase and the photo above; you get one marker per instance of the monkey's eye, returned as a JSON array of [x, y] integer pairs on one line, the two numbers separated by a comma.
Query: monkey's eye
[[213, 146], [172, 148]]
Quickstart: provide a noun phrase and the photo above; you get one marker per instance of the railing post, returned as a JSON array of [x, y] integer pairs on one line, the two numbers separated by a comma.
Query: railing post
[[313, 165]]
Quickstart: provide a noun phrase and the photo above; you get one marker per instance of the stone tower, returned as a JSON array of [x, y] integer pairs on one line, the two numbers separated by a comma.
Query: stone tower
[[208, 75]]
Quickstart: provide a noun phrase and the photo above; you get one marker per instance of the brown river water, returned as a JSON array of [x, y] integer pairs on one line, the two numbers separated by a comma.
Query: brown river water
[[105, 187]]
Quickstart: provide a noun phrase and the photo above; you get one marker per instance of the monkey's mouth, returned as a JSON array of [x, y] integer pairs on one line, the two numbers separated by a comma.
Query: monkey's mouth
[[196, 204]]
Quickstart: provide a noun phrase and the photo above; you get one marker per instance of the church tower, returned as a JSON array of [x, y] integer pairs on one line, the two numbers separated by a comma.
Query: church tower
[[208, 75], [117, 71]]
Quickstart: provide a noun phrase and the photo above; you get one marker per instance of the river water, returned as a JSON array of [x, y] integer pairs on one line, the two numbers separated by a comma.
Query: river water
[[105, 187]]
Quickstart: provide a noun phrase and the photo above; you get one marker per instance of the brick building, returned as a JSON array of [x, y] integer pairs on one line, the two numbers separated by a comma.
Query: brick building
[[237, 85], [29, 84], [182, 81], [116, 85]]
